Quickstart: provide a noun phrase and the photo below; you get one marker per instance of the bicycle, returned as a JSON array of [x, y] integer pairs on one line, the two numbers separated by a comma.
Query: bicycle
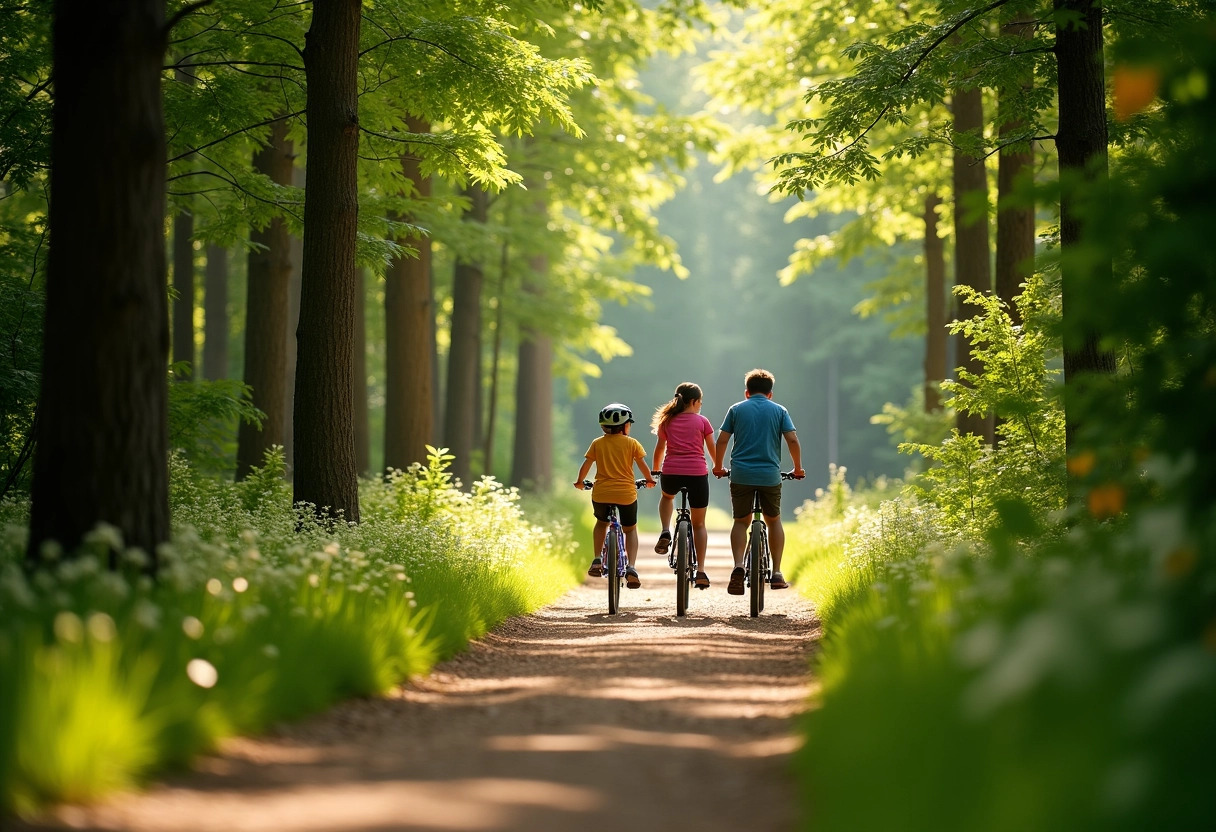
[[613, 554], [682, 556], [757, 560]]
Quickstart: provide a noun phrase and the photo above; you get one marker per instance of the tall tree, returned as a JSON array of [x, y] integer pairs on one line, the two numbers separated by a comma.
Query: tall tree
[[266, 314], [102, 434], [183, 289], [1081, 146], [359, 379], [409, 309], [325, 471], [532, 465], [183, 271], [1014, 213], [215, 313], [972, 253], [935, 306], [464, 355]]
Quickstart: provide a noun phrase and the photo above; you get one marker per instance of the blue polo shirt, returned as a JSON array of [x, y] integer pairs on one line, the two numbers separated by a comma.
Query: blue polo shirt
[[756, 425]]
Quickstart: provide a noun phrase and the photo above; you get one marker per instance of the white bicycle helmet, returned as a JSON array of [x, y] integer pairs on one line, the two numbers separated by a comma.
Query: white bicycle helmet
[[615, 414]]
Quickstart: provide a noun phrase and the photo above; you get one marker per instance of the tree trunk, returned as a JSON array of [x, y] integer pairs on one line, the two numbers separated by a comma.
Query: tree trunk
[[495, 362], [102, 433], [325, 472], [183, 286], [1014, 220], [1081, 146], [215, 314], [409, 310], [532, 469], [464, 354], [359, 379], [935, 306], [971, 249], [269, 270], [183, 277], [295, 248]]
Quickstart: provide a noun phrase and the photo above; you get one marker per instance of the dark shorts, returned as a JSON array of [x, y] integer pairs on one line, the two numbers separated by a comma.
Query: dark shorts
[[697, 485], [628, 514], [741, 499]]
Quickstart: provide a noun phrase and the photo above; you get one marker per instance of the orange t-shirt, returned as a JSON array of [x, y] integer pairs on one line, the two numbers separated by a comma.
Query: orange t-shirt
[[614, 455]]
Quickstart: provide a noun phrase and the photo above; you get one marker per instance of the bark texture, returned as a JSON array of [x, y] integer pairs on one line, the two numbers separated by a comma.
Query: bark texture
[[464, 356], [266, 308], [409, 309], [532, 466], [183, 275], [935, 306], [183, 286], [1081, 141], [325, 471], [972, 266], [359, 380], [296, 258], [215, 314], [1014, 220], [102, 433]]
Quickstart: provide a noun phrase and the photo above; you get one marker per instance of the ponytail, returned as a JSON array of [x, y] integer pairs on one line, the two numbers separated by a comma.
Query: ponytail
[[685, 395]]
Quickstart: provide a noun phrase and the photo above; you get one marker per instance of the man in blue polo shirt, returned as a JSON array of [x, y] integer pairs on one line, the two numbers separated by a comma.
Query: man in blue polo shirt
[[758, 424]]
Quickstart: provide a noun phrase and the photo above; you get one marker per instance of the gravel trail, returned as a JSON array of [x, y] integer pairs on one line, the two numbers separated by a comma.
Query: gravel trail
[[567, 719]]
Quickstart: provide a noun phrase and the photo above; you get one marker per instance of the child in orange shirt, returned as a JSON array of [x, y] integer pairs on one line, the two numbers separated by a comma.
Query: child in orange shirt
[[614, 455]]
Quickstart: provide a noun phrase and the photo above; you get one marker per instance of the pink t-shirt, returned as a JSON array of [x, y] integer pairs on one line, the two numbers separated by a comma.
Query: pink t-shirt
[[685, 434]]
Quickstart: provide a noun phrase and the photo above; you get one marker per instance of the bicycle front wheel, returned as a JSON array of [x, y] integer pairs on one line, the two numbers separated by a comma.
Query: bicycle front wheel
[[755, 569], [613, 564], [682, 535]]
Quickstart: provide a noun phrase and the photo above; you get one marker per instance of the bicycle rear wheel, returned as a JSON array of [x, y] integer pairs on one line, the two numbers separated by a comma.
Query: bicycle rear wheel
[[682, 536], [755, 570], [613, 564], [764, 569]]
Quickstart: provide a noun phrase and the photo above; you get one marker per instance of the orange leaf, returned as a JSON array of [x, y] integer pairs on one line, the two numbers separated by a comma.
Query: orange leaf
[[1106, 500], [1135, 87]]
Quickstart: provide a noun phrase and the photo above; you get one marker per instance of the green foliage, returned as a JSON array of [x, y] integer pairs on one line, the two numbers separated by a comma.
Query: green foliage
[[259, 614], [968, 481], [21, 302], [1026, 664], [203, 416]]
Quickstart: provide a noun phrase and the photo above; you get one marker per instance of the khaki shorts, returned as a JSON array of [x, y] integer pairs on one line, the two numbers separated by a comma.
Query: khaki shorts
[[741, 499]]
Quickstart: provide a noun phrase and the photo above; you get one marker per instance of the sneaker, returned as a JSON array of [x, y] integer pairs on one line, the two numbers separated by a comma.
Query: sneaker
[[778, 581], [702, 581], [735, 587], [597, 569], [631, 578], [664, 543]]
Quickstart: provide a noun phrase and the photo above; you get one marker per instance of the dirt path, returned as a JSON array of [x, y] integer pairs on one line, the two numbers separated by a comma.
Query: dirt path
[[568, 719]]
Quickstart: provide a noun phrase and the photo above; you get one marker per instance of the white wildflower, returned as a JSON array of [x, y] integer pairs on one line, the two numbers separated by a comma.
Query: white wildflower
[[202, 673]]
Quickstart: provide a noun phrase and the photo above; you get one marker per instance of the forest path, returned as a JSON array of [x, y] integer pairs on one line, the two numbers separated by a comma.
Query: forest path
[[564, 719]]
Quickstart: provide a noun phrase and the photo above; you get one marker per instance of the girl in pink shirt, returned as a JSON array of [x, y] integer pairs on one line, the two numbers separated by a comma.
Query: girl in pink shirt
[[684, 437]]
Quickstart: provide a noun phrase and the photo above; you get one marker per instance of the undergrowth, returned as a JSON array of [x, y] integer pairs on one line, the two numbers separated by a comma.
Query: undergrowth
[[258, 614]]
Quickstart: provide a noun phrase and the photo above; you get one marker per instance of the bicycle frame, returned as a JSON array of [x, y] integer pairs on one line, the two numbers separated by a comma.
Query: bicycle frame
[[757, 559], [614, 538], [682, 556]]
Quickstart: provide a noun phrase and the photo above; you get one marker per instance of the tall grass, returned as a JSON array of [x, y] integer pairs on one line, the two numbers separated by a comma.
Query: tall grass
[[259, 614], [994, 687]]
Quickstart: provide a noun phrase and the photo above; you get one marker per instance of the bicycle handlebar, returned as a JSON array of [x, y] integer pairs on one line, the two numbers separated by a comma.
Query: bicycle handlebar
[[588, 484], [785, 475]]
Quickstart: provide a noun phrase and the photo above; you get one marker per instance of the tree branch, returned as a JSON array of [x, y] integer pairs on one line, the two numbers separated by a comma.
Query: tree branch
[[183, 13], [228, 136], [925, 53]]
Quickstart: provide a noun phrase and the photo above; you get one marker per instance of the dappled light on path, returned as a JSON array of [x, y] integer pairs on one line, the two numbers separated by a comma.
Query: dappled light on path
[[566, 719]]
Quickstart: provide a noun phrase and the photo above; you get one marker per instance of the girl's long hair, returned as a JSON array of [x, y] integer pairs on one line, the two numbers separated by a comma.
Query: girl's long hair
[[686, 394]]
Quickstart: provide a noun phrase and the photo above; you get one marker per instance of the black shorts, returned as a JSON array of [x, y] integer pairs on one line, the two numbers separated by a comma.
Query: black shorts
[[741, 499], [627, 513], [697, 485]]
